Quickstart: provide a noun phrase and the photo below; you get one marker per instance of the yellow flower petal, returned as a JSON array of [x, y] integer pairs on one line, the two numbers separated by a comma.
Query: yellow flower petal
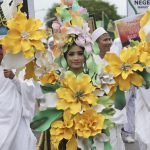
[[137, 80], [124, 85], [75, 107], [25, 45], [38, 45], [13, 34], [71, 144], [112, 58], [137, 67]]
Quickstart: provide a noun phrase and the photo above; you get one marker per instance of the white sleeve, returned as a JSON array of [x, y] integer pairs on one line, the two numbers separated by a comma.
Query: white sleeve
[[29, 91]]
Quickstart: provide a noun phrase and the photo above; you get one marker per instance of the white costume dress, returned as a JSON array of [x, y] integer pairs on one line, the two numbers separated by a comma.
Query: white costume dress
[[17, 103], [142, 118]]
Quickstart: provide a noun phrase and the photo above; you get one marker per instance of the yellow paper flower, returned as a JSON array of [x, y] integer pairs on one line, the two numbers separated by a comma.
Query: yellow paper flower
[[24, 35], [144, 23], [90, 123], [76, 93], [125, 68], [143, 53], [49, 78], [62, 129]]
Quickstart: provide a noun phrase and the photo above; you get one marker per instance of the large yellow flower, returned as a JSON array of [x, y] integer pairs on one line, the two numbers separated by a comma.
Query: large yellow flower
[[90, 123], [124, 68], [24, 35], [62, 130], [76, 93]]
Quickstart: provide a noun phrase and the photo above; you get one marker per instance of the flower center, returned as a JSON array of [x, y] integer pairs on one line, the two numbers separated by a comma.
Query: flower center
[[125, 67], [25, 35], [78, 94]]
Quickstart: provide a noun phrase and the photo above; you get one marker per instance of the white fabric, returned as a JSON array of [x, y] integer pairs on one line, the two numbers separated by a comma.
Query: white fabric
[[9, 7], [116, 46], [142, 118], [119, 119], [129, 127], [17, 103], [97, 33]]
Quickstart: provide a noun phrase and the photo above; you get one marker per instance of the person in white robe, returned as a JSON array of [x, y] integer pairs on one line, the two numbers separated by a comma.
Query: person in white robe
[[17, 104], [104, 41], [142, 118]]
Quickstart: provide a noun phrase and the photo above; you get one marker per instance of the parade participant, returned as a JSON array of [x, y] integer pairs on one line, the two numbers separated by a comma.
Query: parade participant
[[104, 41], [75, 58], [17, 104]]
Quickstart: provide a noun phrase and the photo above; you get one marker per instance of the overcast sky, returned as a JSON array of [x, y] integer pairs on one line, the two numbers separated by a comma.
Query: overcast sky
[[41, 6]]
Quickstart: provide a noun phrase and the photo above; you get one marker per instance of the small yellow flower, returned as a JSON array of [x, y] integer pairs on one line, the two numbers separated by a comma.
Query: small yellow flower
[[125, 67], [24, 35], [144, 53], [76, 92], [50, 78], [144, 23], [62, 129], [90, 123]]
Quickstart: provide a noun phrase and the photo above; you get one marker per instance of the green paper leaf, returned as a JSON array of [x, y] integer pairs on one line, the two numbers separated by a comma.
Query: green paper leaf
[[66, 16], [91, 65], [50, 87], [107, 146], [120, 101], [58, 61], [43, 119], [106, 101], [107, 125], [146, 77], [63, 62], [133, 43], [106, 131], [96, 48]]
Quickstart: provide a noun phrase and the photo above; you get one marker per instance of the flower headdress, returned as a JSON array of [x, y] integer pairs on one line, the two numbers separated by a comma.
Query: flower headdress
[[70, 28]]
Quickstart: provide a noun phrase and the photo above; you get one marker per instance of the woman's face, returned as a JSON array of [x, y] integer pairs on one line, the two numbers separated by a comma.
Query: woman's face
[[75, 58]]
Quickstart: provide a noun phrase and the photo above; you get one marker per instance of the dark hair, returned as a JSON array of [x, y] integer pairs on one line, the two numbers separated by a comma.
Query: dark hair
[[69, 47]]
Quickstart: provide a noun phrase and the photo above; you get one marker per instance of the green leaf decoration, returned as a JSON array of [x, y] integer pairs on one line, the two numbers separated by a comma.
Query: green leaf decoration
[[63, 62], [58, 61], [106, 131], [96, 48], [66, 16], [94, 148], [146, 77], [106, 101], [43, 119], [107, 125], [107, 146], [91, 65], [50, 87], [133, 43], [120, 101]]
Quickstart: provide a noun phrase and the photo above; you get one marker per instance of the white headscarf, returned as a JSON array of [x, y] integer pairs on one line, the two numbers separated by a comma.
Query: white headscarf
[[97, 33]]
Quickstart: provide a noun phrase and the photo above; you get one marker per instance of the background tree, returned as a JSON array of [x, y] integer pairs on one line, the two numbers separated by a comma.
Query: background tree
[[95, 7]]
